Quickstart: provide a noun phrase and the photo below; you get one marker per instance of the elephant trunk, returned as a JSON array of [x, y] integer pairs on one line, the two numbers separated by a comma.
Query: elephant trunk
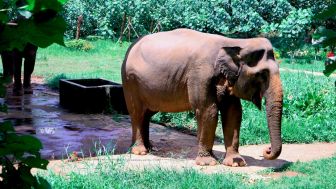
[[274, 102]]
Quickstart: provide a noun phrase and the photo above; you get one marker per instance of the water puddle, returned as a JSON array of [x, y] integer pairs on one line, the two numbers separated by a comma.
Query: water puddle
[[61, 131]]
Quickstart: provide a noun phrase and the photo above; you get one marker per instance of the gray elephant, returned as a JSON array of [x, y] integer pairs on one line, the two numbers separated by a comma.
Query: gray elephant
[[184, 70]]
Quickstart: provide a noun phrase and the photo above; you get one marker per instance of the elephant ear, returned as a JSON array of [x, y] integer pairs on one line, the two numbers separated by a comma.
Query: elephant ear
[[254, 57], [233, 52], [227, 63]]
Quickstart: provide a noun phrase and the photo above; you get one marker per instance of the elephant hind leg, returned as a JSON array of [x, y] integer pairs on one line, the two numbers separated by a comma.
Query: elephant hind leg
[[140, 117], [140, 132]]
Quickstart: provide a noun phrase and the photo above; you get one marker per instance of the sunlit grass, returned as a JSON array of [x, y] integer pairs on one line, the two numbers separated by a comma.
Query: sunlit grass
[[103, 61], [305, 64], [111, 174]]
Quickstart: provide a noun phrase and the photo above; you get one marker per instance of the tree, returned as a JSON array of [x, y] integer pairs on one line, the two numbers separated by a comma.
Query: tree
[[326, 35]]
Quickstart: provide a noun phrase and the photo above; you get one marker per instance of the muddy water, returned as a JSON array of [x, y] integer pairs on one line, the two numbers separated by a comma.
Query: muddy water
[[61, 131]]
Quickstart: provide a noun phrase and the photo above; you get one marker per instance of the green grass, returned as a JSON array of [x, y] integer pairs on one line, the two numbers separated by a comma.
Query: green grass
[[305, 64], [103, 61], [316, 174]]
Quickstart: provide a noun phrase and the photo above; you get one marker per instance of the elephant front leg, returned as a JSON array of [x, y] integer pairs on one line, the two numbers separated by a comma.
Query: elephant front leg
[[231, 113], [207, 122]]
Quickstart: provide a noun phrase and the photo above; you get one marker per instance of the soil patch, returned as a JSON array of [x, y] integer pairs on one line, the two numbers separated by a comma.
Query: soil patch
[[277, 175]]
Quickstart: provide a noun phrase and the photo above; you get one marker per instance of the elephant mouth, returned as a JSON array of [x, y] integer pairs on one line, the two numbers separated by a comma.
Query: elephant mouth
[[257, 99]]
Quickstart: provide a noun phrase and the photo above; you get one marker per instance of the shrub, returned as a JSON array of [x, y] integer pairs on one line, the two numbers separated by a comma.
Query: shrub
[[79, 44], [286, 22], [53, 82], [18, 155], [94, 38]]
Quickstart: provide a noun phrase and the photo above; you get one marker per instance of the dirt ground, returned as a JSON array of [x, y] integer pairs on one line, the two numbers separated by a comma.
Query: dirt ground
[[63, 132]]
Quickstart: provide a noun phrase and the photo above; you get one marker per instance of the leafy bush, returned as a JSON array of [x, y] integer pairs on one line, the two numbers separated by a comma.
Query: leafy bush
[[53, 82], [294, 27], [18, 155], [327, 36], [94, 37], [79, 44], [73, 9], [281, 19]]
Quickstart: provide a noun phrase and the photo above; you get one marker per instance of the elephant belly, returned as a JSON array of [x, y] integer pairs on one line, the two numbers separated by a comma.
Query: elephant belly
[[164, 99]]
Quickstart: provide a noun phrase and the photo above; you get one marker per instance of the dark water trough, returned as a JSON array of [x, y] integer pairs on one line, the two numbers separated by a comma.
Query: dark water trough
[[92, 96]]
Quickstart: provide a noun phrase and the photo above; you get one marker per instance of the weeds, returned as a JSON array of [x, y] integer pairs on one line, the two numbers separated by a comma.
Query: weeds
[[79, 44], [53, 82]]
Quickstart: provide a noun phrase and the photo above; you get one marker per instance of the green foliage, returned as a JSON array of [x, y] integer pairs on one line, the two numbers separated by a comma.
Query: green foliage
[[53, 82], [293, 28], [73, 9], [330, 67], [284, 20], [323, 35], [79, 44], [18, 155], [35, 22], [274, 11], [327, 13], [94, 38], [41, 26], [327, 36]]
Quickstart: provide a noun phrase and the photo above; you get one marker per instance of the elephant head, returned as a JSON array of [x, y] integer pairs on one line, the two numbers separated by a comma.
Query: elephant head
[[252, 73]]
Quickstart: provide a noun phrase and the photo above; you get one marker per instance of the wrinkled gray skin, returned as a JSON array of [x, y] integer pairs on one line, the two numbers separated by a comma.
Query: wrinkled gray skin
[[184, 70]]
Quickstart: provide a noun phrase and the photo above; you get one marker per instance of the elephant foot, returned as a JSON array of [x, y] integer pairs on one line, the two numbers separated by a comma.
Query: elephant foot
[[139, 150], [207, 160], [234, 160], [17, 91], [28, 90]]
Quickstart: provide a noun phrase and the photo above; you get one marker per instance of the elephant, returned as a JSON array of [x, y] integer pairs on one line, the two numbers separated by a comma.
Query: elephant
[[12, 64], [183, 70]]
